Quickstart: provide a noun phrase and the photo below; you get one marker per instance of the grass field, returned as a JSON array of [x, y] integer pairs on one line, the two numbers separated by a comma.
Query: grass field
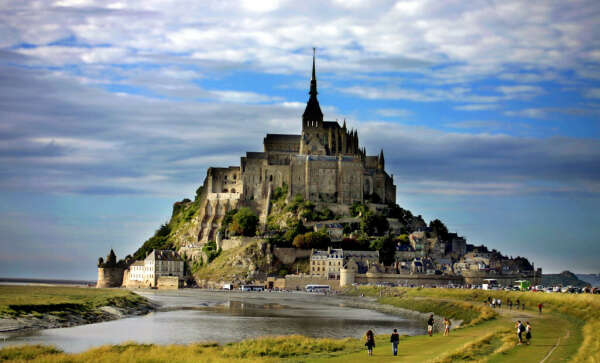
[[18, 301], [566, 331]]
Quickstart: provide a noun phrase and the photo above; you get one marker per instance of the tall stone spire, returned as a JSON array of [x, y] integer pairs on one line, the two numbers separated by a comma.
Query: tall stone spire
[[312, 112], [381, 160]]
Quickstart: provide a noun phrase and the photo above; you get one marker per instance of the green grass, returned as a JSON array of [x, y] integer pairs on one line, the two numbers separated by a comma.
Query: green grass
[[16, 301]]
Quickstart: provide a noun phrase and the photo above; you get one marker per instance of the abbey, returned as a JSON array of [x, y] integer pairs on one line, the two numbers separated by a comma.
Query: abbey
[[324, 164]]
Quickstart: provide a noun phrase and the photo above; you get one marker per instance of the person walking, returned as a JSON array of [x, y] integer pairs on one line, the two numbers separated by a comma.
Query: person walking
[[510, 304], [520, 330], [523, 306], [518, 303], [395, 339], [430, 325], [499, 302], [447, 324], [370, 342], [540, 306], [528, 332]]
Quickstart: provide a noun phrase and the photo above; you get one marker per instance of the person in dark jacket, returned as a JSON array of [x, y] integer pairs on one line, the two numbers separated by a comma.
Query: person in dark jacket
[[395, 339], [370, 344], [430, 325]]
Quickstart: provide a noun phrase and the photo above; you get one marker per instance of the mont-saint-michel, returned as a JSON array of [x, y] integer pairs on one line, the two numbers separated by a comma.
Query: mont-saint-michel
[[283, 181], [310, 209]]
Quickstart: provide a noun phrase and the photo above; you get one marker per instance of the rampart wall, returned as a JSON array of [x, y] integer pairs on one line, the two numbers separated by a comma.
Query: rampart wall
[[110, 277]]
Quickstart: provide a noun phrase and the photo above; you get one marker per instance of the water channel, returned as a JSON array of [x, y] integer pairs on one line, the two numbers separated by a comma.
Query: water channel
[[188, 316]]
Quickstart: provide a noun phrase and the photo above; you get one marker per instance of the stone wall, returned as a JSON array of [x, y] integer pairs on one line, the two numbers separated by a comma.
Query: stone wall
[[288, 256], [237, 241], [168, 283], [298, 282], [110, 277], [409, 280]]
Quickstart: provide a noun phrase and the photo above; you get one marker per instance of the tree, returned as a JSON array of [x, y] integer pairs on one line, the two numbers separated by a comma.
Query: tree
[[295, 227], [244, 222], [100, 262], [374, 224], [317, 240], [387, 249], [227, 219], [357, 209], [111, 259], [439, 228]]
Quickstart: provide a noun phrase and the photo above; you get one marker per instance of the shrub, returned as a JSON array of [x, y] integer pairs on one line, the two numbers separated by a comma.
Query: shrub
[[244, 222], [373, 224]]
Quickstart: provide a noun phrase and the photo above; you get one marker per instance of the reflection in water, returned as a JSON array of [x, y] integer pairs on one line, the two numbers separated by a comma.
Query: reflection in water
[[200, 316]]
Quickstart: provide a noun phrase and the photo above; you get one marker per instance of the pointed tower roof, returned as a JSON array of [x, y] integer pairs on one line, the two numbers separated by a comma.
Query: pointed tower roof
[[381, 160], [313, 109]]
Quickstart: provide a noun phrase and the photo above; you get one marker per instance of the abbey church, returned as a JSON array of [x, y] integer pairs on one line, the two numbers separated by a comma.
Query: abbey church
[[324, 164]]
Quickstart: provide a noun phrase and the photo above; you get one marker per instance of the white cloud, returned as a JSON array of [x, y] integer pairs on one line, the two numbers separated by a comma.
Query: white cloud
[[592, 93], [528, 113], [476, 107], [393, 112]]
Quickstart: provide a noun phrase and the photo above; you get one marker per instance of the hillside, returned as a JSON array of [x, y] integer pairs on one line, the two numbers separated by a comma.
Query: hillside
[[565, 278], [592, 279]]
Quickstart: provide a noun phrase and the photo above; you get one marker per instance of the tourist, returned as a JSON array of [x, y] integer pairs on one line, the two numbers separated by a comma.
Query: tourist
[[528, 332], [518, 303], [540, 306], [520, 330], [370, 338], [499, 303], [523, 306], [510, 304], [430, 325], [447, 324], [395, 339], [494, 303]]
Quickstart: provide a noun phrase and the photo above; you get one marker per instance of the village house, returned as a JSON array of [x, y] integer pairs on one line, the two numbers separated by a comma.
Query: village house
[[328, 263], [158, 263]]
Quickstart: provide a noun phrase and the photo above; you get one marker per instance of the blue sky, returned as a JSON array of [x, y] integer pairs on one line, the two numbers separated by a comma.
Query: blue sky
[[488, 113]]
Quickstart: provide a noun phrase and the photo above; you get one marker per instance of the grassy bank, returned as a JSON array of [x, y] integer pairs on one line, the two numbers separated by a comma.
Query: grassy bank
[[566, 331], [23, 301], [268, 349]]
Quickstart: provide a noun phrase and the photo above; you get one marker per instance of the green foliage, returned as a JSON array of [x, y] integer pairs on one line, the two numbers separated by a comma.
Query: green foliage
[[295, 227], [159, 241], [227, 219], [211, 251], [317, 240], [373, 224], [439, 228], [244, 222], [387, 249], [280, 192], [199, 192], [358, 208]]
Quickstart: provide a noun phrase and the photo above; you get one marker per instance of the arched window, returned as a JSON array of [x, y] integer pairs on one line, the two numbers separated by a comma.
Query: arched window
[[233, 190], [225, 190], [270, 178]]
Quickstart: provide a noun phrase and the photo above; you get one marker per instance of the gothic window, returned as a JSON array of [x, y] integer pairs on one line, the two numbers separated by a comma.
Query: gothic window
[[225, 190], [270, 178], [225, 177], [233, 190]]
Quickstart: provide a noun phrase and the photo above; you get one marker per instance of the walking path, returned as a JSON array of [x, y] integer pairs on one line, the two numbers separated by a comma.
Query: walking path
[[491, 341]]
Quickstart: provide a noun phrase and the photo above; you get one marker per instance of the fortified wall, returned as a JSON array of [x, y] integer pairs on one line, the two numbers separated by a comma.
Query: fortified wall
[[110, 277]]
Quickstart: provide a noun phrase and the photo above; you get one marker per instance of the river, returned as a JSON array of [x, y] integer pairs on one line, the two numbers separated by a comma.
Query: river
[[188, 316]]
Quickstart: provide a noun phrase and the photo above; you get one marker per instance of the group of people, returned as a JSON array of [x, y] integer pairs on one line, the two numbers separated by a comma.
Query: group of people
[[497, 303], [395, 338], [523, 329]]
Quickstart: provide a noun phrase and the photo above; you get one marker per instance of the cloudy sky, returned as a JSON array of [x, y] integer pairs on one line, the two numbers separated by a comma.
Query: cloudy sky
[[488, 113]]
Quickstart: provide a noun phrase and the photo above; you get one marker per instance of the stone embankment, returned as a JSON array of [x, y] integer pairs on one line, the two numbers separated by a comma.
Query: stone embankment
[[72, 318]]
